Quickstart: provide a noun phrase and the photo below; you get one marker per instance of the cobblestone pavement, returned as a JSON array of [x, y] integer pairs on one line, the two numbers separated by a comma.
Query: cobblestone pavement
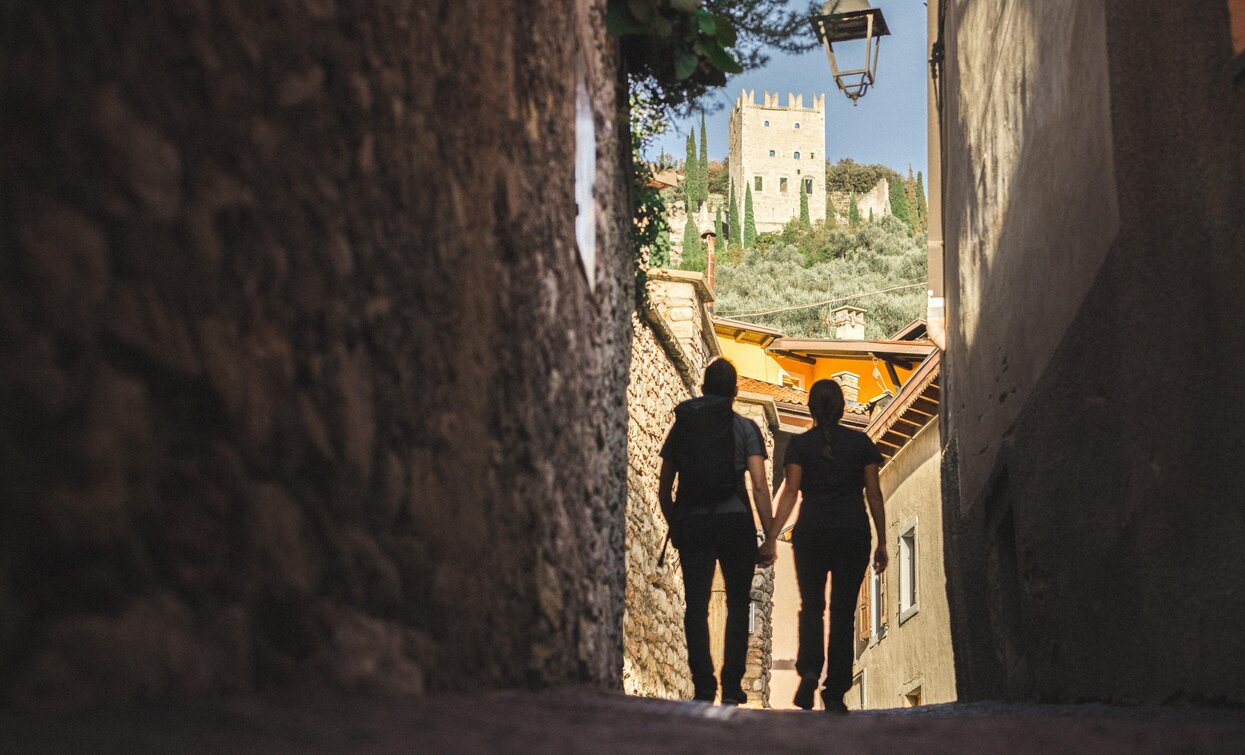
[[572, 720]]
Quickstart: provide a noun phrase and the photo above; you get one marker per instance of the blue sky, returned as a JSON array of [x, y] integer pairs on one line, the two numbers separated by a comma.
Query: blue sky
[[889, 124]]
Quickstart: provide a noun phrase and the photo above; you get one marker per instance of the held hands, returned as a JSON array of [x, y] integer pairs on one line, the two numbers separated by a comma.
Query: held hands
[[768, 553], [880, 558]]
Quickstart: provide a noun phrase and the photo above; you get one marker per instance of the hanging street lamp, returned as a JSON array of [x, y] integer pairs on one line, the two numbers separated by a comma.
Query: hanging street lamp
[[851, 21]]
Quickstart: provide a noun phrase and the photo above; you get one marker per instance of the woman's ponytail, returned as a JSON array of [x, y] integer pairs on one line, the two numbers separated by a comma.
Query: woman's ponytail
[[826, 404]]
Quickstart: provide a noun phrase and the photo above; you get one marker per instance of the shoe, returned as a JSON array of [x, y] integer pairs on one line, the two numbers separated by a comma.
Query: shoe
[[738, 697], [705, 696], [833, 707], [804, 694]]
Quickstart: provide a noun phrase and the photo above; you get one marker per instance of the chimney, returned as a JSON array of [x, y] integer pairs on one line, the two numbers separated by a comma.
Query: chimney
[[850, 383], [848, 323]]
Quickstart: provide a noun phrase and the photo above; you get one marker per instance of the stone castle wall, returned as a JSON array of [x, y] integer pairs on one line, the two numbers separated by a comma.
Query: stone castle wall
[[284, 385], [797, 136], [877, 200]]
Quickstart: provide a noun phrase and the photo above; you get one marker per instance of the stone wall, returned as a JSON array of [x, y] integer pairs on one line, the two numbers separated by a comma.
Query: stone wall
[[654, 646], [1094, 258], [299, 384], [877, 201], [671, 346]]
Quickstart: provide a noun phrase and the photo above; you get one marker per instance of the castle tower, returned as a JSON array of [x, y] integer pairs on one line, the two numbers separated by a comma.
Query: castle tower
[[778, 151]]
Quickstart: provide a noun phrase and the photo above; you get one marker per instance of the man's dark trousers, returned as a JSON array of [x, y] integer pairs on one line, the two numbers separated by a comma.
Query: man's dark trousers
[[844, 554], [707, 539]]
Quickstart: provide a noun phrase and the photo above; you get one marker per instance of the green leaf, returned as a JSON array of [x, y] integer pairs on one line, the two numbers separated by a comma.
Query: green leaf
[[707, 24], [685, 65], [685, 6], [723, 61], [726, 33]]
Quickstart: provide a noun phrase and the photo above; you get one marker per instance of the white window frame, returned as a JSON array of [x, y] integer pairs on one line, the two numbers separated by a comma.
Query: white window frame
[[877, 611], [908, 551]]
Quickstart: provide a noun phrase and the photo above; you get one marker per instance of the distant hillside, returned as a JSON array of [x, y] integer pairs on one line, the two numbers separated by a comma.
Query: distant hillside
[[800, 266]]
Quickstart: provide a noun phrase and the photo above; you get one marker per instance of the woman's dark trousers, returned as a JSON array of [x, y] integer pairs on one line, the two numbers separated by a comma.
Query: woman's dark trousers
[[708, 539], [844, 554]]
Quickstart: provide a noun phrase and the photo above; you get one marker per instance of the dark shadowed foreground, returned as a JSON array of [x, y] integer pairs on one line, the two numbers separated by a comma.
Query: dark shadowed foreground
[[572, 720]]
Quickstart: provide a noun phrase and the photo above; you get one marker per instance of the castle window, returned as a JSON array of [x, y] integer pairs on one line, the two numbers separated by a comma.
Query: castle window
[[771, 153], [808, 186], [797, 124], [782, 185], [812, 155], [756, 183], [766, 124], [797, 155]]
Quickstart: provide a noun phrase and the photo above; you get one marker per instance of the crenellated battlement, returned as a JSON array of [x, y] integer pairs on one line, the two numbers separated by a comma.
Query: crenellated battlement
[[772, 101]]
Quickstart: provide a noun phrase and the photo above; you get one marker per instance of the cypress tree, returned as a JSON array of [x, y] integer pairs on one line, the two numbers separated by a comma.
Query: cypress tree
[[899, 202], [804, 218], [870, 214], [922, 209], [853, 212], [703, 166], [909, 186], [734, 229], [693, 251], [717, 226], [750, 226], [690, 176]]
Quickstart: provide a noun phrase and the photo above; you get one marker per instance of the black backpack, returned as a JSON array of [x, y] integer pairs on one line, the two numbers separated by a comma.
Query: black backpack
[[705, 450]]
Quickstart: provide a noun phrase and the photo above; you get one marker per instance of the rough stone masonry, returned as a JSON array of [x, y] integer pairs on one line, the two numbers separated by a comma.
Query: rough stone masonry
[[298, 383]]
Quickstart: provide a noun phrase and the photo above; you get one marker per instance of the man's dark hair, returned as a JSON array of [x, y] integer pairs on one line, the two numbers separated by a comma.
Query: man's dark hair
[[720, 379]]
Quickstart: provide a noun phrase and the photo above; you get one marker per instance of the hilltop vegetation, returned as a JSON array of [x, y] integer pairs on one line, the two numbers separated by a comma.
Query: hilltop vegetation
[[808, 265]]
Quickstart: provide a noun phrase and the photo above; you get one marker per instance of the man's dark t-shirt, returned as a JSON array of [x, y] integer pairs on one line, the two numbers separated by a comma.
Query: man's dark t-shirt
[[833, 487]]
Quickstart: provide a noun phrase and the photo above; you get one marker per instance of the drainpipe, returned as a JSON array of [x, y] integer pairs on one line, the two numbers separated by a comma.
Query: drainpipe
[[936, 314]]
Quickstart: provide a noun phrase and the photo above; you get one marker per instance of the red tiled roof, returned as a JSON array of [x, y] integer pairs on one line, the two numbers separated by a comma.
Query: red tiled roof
[[777, 392]]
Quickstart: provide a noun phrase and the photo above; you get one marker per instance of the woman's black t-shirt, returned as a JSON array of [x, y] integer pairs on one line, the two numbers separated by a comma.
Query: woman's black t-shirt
[[833, 487]]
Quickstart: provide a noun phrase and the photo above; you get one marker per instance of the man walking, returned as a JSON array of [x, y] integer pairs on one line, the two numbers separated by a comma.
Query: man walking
[[708, 450]]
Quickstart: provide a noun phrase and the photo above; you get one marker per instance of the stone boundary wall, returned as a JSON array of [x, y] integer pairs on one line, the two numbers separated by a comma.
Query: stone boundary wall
[[670, 349], [654, 646], [877, 199]]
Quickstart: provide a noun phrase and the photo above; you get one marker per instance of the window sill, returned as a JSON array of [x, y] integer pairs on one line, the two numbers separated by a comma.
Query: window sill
[[877, 637], [905, 615]]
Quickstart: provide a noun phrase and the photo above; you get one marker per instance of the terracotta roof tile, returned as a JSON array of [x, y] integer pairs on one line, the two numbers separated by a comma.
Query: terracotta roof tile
[[777, 392]]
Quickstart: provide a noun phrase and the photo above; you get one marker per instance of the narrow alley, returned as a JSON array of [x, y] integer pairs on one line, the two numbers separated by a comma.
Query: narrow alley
[[341, 343]]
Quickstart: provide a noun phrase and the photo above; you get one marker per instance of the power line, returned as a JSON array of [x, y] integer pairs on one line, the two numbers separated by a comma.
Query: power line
[[835, 300]]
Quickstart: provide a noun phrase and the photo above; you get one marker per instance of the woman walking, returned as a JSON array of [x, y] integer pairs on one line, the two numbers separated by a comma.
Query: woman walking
[[830, 465]]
